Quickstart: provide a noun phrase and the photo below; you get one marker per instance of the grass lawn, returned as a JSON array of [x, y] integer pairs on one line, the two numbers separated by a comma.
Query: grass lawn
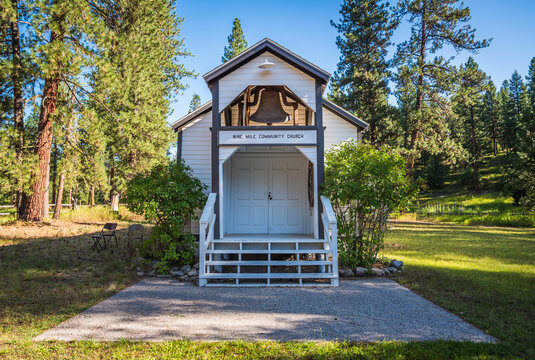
[[485, 275]]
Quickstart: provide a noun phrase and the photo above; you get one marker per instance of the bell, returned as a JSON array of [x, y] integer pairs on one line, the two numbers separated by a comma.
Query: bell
[[270, 109]]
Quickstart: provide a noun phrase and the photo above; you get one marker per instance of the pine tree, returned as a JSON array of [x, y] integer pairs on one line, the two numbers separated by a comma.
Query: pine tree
[[236, 42], [526, 142], [490, 116], [195, 103], [468, 105], [517, 106], [434, 24], [505, 113], [360, 83], [144, 50], [71, 27]]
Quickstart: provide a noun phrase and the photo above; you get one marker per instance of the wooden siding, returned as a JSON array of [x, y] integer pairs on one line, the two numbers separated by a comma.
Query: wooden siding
[[337, 129], [196, 152], [281, 74]]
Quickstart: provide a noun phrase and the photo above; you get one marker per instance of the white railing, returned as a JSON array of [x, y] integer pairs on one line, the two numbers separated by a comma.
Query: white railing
[[330, 230], [206, 234]]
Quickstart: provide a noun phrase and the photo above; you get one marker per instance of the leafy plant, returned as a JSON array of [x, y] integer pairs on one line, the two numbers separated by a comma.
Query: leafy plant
[[365, 184], [167, 196]]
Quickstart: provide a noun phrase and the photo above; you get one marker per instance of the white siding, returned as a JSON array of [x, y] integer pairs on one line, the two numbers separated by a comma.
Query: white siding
[[337, 129], [197, 153], [281, 74]]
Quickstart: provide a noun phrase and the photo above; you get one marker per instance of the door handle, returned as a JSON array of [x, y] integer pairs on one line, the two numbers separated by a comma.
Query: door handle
[[269, 196]]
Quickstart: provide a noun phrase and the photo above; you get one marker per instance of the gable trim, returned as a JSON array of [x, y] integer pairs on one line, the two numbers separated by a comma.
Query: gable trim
[[266, 45], [344, 114], [192, 116]]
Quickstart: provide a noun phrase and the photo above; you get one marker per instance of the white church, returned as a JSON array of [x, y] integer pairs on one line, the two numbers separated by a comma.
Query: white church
[[259, 146]]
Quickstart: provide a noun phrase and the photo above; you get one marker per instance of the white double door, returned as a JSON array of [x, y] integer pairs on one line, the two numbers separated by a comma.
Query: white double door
[[268, 194]]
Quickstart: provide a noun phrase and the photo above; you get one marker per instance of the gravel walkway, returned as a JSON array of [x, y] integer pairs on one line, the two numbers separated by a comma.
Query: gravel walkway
[[361, 310]]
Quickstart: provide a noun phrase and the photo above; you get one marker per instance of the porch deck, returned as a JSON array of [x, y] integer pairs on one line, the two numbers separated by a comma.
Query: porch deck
[[266, 259]]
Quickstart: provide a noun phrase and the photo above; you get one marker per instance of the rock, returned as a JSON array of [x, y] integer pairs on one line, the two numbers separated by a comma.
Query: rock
[[192, 272], [163, 276], [140, 273], [152, 273], [392, 270], [185, 268], [377, 272], [360, 271], [196, 266], [398, 264], [175, 268], [345, 272], [177, 272]]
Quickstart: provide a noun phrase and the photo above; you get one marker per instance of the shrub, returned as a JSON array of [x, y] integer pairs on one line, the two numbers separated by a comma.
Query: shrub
[[365, 184], [167, 196]]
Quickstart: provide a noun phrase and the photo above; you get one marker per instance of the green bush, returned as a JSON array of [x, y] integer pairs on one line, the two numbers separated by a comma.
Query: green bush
[[365, 184], [168, 197]]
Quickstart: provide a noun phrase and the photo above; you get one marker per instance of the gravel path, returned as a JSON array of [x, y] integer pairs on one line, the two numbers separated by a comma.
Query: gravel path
[[361, 310]]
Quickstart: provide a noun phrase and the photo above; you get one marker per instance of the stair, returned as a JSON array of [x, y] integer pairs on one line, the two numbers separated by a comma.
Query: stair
[[268, 260]]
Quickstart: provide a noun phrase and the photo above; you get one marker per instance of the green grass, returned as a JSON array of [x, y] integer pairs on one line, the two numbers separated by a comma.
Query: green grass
[[491, 209], [485, 275]]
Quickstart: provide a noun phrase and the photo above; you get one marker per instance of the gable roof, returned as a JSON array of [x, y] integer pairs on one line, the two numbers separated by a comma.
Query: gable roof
[[206, 107], [258, 49], [343, 113], [329, 105]]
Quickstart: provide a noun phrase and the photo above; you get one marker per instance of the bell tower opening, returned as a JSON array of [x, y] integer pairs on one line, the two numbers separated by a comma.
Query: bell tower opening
[[269, 105]]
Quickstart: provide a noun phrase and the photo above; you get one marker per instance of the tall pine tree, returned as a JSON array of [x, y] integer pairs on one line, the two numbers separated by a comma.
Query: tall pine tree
[[360, 83], [236, 42], [194, 103], [434, 24], [468, 106]]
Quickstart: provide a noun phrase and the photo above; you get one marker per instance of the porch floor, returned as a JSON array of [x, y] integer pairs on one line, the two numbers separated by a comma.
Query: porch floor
[[268, 237]]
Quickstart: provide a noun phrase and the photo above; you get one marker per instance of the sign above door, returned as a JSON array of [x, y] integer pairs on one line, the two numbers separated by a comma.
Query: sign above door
[[268, 137]]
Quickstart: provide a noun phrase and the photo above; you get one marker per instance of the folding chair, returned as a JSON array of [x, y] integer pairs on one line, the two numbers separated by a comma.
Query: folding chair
[[105, 235]]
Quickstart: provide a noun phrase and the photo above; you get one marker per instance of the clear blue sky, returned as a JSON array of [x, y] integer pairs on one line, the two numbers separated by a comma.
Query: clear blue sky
[[304, 28]]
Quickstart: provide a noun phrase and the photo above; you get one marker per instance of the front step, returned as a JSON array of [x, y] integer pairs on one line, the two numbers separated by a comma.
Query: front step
[[229, 261]]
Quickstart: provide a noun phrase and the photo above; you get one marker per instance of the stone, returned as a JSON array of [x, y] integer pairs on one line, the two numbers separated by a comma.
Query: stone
[[345, 272], [192, 272], [196, 266], [185, 268], [163, 276], [177, 272], [140, 273], [360, 271], [175, 268], [398, 264], [392, 270], [377, 272], [152, 273]]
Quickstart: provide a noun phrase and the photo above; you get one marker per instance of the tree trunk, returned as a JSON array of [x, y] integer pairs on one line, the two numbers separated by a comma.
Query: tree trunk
[[415, 135], [59, 198], [114, 202], [474, 151], [55, 172], [74, 203], [18, 106], [32, 205], [91, 196], [46, 195]]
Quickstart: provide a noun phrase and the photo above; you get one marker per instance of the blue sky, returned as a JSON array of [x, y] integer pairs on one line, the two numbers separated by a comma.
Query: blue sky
[[304, 28]]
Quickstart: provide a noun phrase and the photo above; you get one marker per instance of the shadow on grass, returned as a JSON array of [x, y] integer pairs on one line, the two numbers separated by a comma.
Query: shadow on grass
[[49, 278]]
